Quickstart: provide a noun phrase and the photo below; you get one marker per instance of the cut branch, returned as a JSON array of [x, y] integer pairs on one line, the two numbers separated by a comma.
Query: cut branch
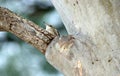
[[95, 48], [24, 29]]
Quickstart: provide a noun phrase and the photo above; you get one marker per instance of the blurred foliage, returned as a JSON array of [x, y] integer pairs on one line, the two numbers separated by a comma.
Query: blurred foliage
[[18, 58]]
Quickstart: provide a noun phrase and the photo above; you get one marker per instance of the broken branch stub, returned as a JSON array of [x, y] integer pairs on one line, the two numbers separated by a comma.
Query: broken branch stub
[[78, 56], [99, 20]]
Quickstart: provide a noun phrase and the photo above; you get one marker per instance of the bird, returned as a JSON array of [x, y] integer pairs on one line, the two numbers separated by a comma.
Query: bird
[[52, 29]]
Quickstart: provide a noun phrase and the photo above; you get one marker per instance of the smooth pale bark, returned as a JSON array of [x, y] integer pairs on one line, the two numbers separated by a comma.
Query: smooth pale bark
[[94, 48]]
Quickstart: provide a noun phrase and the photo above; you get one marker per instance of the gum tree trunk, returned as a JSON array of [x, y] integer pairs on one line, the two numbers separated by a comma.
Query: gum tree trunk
[[91, 49], [94, 47]]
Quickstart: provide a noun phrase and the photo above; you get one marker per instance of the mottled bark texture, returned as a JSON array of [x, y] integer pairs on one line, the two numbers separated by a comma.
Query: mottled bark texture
[[94, 47], [24, 29]]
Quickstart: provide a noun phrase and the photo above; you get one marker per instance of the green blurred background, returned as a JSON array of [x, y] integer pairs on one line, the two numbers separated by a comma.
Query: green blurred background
[[18, 58]]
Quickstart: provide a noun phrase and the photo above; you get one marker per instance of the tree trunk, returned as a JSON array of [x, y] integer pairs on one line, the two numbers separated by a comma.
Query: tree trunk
[[94, 47]]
